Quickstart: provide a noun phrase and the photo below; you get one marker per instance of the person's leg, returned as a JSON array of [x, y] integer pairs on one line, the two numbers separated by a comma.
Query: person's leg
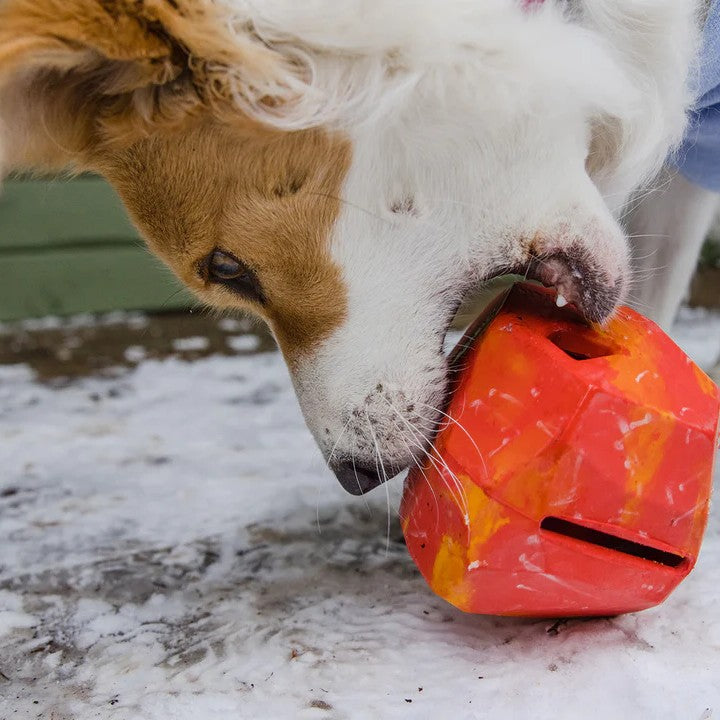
[[667, 230]]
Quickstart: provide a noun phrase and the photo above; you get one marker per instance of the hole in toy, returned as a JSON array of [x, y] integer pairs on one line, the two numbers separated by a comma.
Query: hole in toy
[[579, 346], [610, 542]]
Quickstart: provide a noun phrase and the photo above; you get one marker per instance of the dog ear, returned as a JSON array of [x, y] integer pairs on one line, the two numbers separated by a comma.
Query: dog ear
[[77, 76]]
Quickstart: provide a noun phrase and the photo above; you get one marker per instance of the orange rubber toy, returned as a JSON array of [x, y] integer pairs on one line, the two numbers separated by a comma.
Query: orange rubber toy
[[574, 477]]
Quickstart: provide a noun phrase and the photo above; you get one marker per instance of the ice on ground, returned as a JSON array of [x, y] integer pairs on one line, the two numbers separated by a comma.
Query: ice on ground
[[173, 548]]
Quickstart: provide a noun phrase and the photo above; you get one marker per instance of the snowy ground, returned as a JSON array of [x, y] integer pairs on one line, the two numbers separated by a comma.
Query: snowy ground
[[172, 548]]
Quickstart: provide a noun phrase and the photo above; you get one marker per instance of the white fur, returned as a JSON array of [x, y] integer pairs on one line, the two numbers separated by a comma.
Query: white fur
[[482, 132], [627, 61], [478, 119]]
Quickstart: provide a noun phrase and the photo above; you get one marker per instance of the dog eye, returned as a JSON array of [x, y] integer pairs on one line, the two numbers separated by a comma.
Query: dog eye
[[224, 269]]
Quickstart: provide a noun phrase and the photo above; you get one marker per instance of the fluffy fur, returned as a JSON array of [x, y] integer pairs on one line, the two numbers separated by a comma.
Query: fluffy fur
[[370, 161]]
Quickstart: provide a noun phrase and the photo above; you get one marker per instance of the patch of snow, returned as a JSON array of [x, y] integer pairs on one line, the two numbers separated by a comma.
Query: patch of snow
[[697, 332], [134, 320], [243, 343], [177, 550], [135, 353], [235, 325], [190, 344]]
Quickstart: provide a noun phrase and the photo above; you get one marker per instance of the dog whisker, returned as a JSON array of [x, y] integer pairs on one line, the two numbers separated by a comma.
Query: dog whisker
[[428, 424], [421, 470], [337, 441], [463, 503], [420, 467], [637, 236], [645, 274], [171, 296], [357, 480], [639, 197], [381, 469], [639, 303], [353, 205], [360, 208], [432, 458], [463, 429]]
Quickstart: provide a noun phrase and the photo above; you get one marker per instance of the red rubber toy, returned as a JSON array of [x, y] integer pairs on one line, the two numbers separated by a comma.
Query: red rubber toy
[[574, 477]]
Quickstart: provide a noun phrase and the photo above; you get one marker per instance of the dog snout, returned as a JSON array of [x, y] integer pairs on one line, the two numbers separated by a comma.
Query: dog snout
[[390, 429]]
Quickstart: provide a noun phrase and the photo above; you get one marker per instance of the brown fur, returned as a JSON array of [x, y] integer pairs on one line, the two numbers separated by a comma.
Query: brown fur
[[125, 67], [145, 92], [268, 198]]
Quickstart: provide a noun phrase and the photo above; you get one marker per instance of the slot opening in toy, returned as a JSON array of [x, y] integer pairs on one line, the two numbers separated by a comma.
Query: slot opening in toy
[[610, 542], [580, 346]]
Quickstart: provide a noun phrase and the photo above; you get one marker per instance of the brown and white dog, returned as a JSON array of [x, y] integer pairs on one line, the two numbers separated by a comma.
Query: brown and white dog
[[350, 169]]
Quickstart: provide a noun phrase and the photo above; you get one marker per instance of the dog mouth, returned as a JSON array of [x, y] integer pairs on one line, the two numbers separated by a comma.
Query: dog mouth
[[578, 280]]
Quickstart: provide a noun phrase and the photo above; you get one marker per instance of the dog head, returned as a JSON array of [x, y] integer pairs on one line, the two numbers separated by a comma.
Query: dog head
[[350, 171]]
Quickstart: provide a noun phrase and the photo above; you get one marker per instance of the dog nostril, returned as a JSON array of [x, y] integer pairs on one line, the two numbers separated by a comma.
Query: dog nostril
[[355, 478]]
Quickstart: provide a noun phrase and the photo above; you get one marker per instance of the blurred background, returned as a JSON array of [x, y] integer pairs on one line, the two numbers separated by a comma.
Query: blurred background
[[81, 295]]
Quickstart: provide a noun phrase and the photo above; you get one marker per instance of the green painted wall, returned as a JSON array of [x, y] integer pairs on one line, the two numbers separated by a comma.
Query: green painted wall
[[66, 246]]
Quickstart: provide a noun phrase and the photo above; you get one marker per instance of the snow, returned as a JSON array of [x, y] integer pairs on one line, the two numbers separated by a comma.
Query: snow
[[173, 548], [191, 343], [135, 353], [243, 343], [698, 333], [52, 322]]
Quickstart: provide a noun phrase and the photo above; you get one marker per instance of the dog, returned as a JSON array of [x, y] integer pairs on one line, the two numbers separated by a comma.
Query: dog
[[349, 170]]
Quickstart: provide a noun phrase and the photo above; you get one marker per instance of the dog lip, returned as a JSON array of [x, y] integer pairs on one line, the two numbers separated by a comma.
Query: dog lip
[[579, 281], [357, 479]]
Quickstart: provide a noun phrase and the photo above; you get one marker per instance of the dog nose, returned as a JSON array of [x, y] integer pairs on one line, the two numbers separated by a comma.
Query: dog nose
[[355, 478]]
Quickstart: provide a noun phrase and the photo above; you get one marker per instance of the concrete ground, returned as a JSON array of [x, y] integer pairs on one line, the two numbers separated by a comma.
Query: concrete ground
[[172, 547]]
